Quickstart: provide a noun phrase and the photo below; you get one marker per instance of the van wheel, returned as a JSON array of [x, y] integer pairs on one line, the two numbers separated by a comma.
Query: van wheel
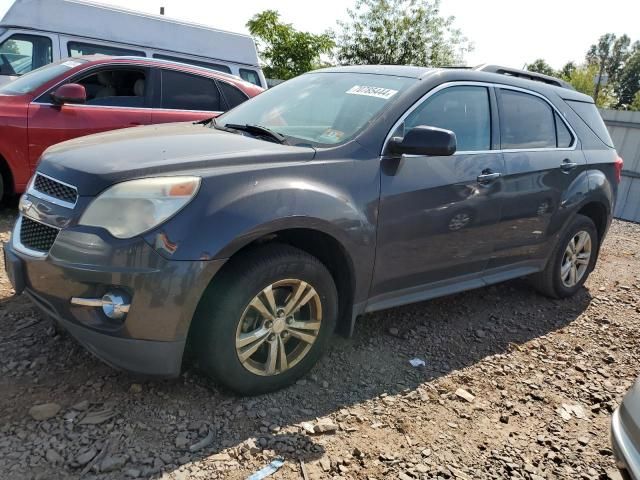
[[267, 320], [572, 261]]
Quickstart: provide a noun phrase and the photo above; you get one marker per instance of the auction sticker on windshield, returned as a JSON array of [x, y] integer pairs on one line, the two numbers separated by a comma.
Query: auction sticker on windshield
[[378, 92]]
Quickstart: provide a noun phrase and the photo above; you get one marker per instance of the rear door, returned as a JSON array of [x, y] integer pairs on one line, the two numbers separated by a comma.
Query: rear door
[[117, 97], [185, 97], [542, 162]]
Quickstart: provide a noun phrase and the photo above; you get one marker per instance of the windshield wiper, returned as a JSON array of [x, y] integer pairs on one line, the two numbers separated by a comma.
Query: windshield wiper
[[257, 130]]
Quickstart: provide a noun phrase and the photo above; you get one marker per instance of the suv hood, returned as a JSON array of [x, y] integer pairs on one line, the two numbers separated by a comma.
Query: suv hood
[[96, 162]]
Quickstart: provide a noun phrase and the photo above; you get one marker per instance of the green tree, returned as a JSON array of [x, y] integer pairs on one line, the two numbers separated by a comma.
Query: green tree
[[609, 55], [400, 32], [628, 85], [582, 79], [567, 70], [285, 51], [541, 66], [635, 105]]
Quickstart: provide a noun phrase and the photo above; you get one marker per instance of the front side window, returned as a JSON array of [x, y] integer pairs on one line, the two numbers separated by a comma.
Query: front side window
[[183, 91], [21, 53], [464, 110], [250, 76], [526, 121], [77, 49], [116, 87], [320, 109]]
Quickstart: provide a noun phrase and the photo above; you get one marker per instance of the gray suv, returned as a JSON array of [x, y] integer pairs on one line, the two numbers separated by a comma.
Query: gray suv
[[251, 238]]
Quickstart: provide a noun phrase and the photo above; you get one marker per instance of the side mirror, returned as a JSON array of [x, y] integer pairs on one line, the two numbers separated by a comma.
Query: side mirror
[[424, 140], [69, 93]]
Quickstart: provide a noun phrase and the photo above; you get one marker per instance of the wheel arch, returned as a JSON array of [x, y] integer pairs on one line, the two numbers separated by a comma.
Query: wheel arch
[[308, 236]]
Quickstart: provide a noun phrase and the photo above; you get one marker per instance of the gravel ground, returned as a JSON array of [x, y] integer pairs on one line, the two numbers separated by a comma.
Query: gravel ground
[[515, 386]]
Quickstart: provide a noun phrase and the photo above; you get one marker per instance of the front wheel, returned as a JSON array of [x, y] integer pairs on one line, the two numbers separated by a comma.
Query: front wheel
[[266, 321], [572, 261]]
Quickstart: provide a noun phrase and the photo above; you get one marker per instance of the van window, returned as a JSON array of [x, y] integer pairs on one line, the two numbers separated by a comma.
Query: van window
[[116, 87], [21, 53], [77, 49], [526, 121], [250, 76], [182, 91], [197, 63], [464, 110], [232, 95]]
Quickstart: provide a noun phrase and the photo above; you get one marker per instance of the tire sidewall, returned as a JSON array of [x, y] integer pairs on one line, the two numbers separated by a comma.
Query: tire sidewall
[[581, 223], [219, 355]]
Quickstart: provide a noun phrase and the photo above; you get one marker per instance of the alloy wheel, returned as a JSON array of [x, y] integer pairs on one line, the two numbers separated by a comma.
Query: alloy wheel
[[575, 260], [278, 327]]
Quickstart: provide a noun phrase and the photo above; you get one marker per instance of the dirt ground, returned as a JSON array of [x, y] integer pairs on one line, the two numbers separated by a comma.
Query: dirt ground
[[515, 386]]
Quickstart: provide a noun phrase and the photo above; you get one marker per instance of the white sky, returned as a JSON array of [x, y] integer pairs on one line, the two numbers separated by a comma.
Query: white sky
[[506, 32]]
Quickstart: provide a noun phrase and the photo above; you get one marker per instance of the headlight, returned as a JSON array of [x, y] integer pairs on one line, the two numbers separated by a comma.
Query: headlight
[[130, 208]]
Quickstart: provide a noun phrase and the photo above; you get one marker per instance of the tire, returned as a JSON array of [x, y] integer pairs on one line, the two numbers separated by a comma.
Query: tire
[[550, 281], [229, 302]]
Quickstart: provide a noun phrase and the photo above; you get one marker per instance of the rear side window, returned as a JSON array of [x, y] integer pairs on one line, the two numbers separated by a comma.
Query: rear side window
[[464, 110], [211, 66], [590, 115], [77, 49], [565, 139], [250, 76], [526, 121], [232, 95], [21, 53], [182, 91]]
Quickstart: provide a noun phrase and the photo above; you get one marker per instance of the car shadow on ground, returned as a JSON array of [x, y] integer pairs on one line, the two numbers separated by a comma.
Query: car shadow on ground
[[448, 334]]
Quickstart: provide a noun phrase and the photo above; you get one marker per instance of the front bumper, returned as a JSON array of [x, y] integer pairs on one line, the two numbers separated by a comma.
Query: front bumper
[[164, 294]]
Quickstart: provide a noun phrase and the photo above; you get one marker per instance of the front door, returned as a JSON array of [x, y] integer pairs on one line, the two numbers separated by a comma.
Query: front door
[[541, 163], [437, 214], [116, 98]]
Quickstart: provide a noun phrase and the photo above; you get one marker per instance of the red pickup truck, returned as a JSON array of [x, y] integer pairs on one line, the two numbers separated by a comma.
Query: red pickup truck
[[84, 95]]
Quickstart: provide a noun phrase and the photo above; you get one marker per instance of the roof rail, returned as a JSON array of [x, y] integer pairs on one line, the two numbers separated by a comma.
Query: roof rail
[[514, 72]]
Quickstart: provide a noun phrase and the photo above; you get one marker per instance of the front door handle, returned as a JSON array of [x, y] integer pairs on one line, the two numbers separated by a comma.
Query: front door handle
[[567, 165], [487, 176]]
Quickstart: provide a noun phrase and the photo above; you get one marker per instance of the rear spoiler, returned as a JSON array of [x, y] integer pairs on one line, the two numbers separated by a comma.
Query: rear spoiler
[[514, 72]]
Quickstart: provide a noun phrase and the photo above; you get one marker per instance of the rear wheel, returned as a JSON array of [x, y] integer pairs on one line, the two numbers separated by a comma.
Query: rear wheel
[[572, 261], [267, 320]]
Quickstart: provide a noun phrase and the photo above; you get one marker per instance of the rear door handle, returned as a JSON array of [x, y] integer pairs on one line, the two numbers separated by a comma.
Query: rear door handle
[[487, 176], [567, 165]]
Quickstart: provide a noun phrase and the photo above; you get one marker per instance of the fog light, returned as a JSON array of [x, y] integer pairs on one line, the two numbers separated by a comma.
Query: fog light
[[114, 305]]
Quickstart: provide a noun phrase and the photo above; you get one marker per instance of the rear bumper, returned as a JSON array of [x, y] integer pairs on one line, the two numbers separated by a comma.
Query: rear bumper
[[625, 450]]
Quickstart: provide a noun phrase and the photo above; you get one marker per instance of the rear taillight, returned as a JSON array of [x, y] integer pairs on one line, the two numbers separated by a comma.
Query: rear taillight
[[618, 168]]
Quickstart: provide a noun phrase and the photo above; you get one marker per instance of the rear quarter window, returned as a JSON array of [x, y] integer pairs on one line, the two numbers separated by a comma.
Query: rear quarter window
[[590, 115]]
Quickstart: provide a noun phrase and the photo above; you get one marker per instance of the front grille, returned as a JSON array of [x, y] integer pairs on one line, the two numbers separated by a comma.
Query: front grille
[[55, 189], [37, 236]]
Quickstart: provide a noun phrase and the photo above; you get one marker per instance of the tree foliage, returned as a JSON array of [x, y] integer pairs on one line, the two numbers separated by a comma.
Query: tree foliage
[[609, 54], [541, 66], [628, 85], [285, 51], [400, 32], [581, 78]]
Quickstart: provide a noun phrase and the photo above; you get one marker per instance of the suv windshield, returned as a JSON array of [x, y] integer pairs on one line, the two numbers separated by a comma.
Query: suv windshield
[[36, 78], [319, 108]]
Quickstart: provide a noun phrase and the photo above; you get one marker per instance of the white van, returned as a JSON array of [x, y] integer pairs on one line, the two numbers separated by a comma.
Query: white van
[[36, 32]]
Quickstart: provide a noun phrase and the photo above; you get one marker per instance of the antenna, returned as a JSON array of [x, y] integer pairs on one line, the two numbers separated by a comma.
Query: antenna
[[161, 10]]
